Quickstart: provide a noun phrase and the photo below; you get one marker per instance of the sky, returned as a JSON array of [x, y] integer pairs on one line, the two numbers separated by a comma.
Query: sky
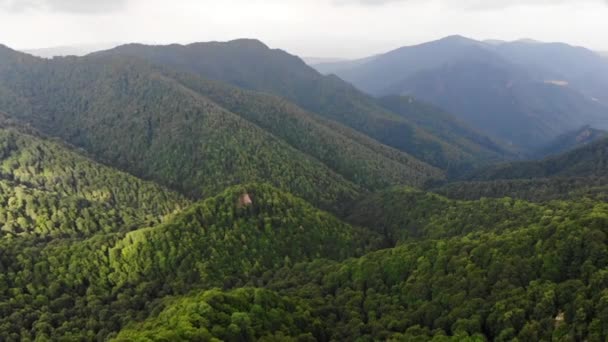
[[309, 28]]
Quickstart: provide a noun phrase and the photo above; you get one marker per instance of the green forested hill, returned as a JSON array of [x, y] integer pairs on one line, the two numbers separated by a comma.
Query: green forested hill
[[476, 270], [536, 189], [590, 160], [91, 253], [196, 136], [90, 288], [48, 190], [571, 175], [571, 140], [357, 157], [448, 127], [252, 65], [539, 280]]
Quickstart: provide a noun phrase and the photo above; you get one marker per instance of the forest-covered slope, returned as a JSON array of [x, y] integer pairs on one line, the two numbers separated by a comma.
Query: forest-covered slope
[[48, 190], [252, 65], [571, 140], [90, 288], [476, 270], [227, 237], [575, 174], [586, 161], [197, 136], [443, 124]]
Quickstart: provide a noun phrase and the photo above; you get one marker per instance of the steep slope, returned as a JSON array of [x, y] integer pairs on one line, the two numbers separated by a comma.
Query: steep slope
[[532, 281], [571, 140], [500, 89], [483, 270], [446, 126], [580, 67], [505, 102], [89, 289], [252, 65], [138, 119], [353, 155], [587, 161], [48, 190], [375, 75]]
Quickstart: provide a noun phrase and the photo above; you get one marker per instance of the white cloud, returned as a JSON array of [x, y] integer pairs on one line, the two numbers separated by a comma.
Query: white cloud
[[323, 28], [470, 4], [70, 6]]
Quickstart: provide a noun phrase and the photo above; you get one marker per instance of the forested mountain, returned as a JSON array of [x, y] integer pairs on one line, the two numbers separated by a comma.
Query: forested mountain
[[579, 173], [590, 160], [492, 269], [376, 74], [252, 65], [228, 192], [48, 190], [197, 136], [90, 288], [571, 140], [534, 189], [505, 102], [523, 93], [445, 125], [582, 68]]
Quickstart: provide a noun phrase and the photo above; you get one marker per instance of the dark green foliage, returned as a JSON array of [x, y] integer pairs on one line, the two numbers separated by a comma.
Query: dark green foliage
[[357, 157], [586, 161], [252, 65], [89, 289], [138, 119], [535, 190], [486, 270], [222, 238], [91, 253], [403, 214], [501, 281]]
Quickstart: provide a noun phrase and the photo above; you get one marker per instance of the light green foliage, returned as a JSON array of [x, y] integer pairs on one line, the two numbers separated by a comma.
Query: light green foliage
[[241, 315], [48, 190], [91, 288]]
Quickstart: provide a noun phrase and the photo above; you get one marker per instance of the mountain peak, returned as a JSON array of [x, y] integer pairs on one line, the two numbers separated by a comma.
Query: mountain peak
[[457, 39], [248, 42]]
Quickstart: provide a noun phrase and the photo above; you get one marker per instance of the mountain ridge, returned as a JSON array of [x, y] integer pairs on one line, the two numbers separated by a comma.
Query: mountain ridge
[[292, 79]]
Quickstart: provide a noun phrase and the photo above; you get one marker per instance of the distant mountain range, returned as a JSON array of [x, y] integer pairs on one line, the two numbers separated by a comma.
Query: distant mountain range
[[319, 60], [71, 50], [525, 93], [250, 64]]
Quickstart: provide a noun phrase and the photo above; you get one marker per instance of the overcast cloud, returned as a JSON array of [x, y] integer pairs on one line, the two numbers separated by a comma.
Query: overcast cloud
[[325, 28]]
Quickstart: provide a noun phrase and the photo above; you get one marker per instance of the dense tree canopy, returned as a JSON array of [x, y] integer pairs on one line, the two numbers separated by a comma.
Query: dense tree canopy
[[235, 245]]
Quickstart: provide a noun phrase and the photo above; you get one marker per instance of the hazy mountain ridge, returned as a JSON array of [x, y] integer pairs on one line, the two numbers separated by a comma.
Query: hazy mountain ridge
[[251, 64], [587, 161], [563, 86], [571, 140]]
